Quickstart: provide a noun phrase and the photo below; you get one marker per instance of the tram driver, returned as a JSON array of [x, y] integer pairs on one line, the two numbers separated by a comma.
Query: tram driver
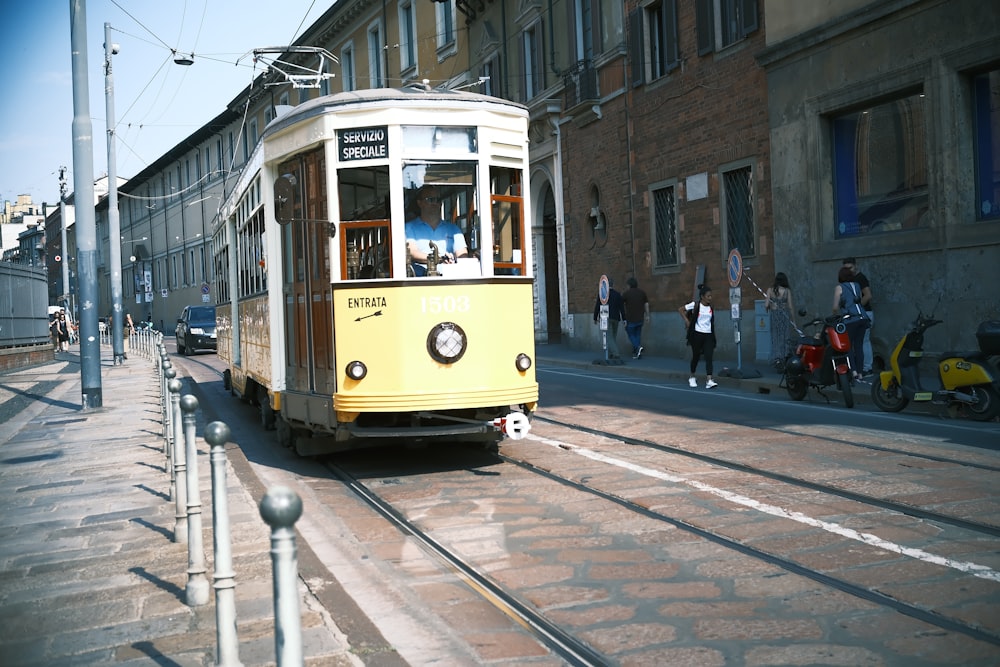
[[428, 227]]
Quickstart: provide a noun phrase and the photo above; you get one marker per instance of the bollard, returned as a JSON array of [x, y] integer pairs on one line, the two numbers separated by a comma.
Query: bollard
[[217, 434], [168, 428], [168, 374], [180, 476], [197, 584], [281, 508]]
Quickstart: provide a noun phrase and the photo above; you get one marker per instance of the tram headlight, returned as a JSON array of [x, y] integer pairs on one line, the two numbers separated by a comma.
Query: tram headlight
[[446, 343], [523, 362], [356, 370]]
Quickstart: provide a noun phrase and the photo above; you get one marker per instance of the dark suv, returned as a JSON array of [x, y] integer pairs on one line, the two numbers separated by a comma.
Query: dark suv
[[196, 330]]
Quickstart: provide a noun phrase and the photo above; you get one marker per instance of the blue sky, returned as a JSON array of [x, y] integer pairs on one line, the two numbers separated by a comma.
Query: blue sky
[[157, 103]]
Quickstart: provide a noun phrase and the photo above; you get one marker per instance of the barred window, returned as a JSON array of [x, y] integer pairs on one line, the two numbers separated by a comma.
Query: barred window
[[664, 227], [738, 208]]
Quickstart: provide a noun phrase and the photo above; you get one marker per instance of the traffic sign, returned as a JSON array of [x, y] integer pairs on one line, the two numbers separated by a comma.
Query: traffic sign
[[604, 290], [734, 267]]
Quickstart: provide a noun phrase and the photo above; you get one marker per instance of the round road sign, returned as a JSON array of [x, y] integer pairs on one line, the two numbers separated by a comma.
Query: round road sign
[[604, 290], [734, 267]]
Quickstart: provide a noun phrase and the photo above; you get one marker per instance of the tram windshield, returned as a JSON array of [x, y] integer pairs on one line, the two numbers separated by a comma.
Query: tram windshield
[[442, 231]]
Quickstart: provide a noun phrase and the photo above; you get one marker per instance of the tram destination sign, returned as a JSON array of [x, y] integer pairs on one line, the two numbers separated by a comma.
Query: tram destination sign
[[363, 143]]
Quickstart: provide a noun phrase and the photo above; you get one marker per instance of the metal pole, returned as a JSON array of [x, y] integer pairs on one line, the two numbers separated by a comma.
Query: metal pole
[[114, 224], [197, 584], [281, 508], [86, 228], [180, 463], [228, 655], [65, 246]]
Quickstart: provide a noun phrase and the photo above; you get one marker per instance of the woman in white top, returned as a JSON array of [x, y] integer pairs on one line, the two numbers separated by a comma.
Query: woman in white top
[[700, 325]]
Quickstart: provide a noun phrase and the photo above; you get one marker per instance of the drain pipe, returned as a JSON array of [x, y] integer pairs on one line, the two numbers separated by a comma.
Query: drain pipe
[[628, 158]]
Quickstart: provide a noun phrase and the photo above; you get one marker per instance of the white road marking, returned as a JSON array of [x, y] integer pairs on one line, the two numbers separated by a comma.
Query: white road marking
[[974, 569]]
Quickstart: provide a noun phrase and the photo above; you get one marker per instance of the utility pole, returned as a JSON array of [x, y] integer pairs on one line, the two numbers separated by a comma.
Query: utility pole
[[65, 246], [86, 227], [114, 224]]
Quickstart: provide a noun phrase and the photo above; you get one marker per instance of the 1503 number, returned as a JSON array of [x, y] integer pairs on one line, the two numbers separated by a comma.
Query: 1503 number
[[444, 304]]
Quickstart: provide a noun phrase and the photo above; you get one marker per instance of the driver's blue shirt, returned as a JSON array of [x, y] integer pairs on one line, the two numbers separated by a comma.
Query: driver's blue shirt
[[446, 236]]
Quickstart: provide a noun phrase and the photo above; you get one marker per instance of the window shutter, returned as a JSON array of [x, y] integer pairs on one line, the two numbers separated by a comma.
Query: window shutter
[[748, 17], [636, 49], [672, 45], [706, 26]]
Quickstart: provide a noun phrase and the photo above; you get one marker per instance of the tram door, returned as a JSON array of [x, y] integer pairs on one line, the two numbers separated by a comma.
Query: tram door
[[305, 246]]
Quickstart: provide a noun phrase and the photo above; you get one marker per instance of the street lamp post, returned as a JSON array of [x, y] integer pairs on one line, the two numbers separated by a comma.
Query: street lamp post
[[114, 224]]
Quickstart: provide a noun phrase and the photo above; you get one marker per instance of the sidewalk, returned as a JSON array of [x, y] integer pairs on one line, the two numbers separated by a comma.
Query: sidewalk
[[90, 574]]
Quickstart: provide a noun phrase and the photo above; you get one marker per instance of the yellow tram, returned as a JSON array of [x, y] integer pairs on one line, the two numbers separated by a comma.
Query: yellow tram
[[344, 331]]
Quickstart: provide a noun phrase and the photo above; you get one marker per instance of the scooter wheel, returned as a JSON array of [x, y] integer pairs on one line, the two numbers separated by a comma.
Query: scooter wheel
[[988, 405], [797, 387], [844, 383], [888, 400]]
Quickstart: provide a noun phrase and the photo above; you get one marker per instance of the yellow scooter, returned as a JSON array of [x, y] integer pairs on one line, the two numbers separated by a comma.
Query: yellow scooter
[[967, 379]]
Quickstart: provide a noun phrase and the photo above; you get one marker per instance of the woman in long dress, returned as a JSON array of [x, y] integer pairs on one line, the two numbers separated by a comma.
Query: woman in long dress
[[782, 308]]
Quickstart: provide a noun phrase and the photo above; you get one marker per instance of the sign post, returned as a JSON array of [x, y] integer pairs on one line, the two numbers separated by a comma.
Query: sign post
[[603, 294], [734, 271]]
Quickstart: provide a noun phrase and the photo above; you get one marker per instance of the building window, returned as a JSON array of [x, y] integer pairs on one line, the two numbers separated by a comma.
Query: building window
[[492, 79], [220, 158], [407, 38], [348, 72], [986, 99], [376, 75], [661, 24], [880, 168], [664, 227], [533, 72], [284, 100], [444, 14], [737, 204], [724, 22], [254, 136]]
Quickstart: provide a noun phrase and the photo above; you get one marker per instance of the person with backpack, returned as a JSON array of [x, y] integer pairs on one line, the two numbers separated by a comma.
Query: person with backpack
[[847, 300]]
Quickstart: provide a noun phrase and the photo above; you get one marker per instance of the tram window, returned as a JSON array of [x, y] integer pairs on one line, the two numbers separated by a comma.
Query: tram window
[[508, 221], [440, 199], [365, 235]]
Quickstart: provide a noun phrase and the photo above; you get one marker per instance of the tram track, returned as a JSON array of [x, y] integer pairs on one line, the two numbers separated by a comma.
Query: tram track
[[560, 642], [991, 530], [576, 652]]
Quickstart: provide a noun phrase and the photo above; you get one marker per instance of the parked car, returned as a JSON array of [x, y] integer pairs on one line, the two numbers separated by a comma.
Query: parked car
[[196, 330]]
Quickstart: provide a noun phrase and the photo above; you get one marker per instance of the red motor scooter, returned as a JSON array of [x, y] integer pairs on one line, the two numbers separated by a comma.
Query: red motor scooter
[[820, 360]]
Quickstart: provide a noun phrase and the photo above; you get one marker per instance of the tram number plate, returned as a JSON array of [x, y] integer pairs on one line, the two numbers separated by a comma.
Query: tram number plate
[[445, 304]]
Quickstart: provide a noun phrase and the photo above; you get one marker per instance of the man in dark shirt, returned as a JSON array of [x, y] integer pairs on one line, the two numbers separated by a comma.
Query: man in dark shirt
[[616, 313], [866, 301], [636, 313]]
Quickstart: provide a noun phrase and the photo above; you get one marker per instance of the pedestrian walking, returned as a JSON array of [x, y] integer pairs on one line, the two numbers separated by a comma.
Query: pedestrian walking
[[616, 313], [636, 314], [62, 331], [699, 319]]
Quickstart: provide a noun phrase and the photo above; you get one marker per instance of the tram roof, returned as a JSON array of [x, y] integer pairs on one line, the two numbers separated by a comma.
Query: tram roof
[[412, 95]]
